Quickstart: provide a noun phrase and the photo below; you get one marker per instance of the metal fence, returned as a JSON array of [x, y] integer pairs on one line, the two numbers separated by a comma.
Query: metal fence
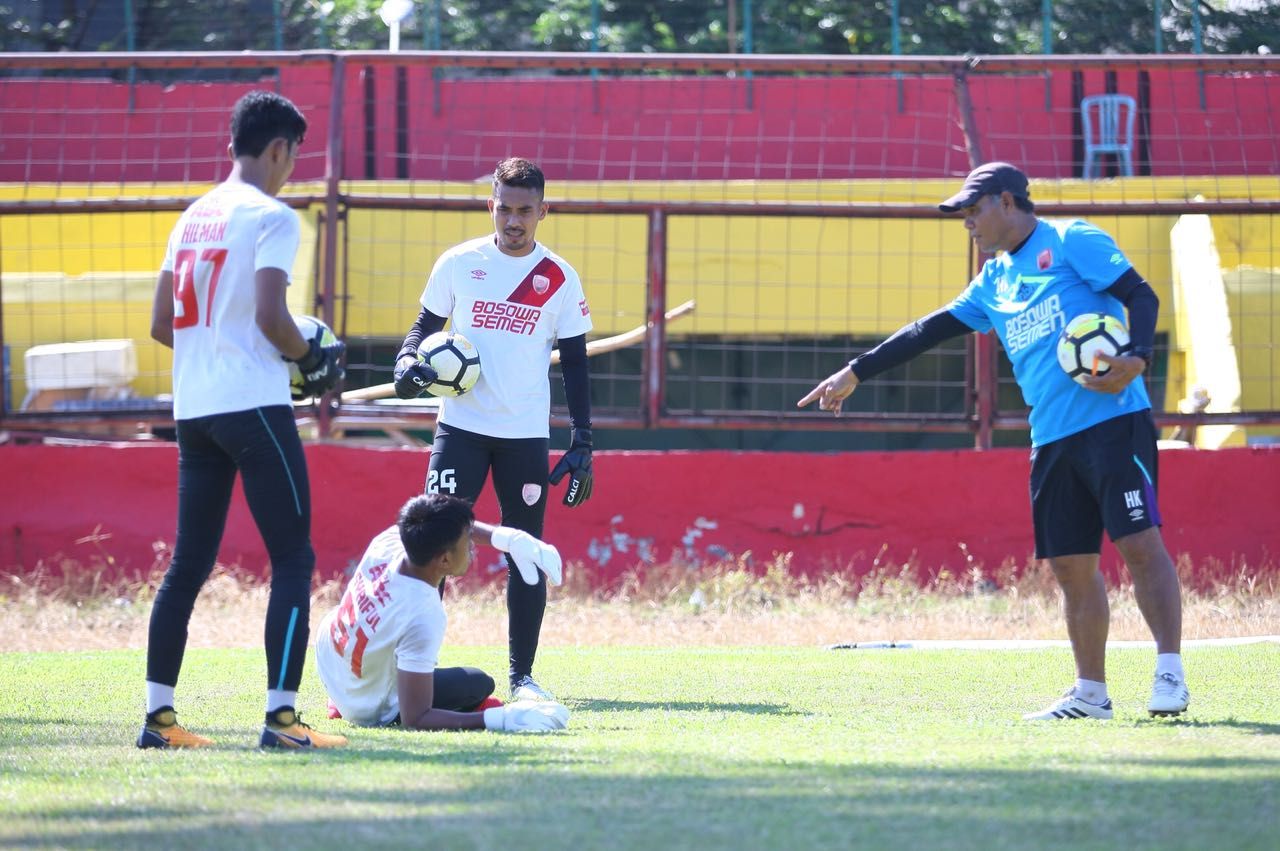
[[793, 198]]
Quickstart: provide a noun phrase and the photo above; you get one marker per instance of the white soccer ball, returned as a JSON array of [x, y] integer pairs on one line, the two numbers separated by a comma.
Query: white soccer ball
[[455, 360], [311, 328], [1084, 338]]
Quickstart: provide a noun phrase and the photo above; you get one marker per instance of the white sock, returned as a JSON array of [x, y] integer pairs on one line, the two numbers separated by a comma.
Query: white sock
[[1091, 691], [1170, 663], [158, 696], [281, 699]]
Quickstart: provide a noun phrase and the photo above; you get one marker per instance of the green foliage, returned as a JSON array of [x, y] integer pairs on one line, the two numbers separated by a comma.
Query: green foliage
[[928, 27]]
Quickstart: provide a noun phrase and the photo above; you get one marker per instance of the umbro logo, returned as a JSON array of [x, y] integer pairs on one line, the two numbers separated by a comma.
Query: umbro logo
[[1135, 515], [478, 274], [1117, 259]]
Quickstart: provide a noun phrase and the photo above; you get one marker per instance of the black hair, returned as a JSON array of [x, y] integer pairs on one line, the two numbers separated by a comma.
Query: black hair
[[519, 172], [431, 524], [261, 117]]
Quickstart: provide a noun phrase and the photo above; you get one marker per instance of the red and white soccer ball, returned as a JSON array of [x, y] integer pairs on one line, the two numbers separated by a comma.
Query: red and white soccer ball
[[455, 360], [311, 328]]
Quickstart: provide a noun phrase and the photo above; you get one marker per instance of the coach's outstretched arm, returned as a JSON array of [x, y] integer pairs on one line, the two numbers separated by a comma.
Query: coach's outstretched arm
[[904, 345]]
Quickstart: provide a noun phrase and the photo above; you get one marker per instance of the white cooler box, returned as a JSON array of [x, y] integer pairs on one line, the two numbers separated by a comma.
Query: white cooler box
[[92, 369]]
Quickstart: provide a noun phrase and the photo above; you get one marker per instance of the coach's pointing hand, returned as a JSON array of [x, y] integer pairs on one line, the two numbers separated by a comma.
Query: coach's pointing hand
[[577, 464], [831, 393]]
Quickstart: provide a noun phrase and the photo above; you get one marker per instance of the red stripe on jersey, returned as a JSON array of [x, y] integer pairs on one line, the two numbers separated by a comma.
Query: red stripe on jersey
[[537, 294]]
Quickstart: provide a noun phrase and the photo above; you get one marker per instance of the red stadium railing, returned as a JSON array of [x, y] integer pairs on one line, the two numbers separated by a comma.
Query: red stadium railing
[[682, 145]]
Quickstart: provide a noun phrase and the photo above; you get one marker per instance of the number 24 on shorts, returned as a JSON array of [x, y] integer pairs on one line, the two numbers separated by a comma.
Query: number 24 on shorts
[[442, 480]]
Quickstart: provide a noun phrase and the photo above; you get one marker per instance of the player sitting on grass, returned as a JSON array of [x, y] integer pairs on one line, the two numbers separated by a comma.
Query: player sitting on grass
[[377, 651]]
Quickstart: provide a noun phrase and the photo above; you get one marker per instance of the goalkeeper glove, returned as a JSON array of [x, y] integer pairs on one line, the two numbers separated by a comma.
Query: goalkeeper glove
[[526, 716], [576, 464], [529, 554], [412, 376], [320, 368]]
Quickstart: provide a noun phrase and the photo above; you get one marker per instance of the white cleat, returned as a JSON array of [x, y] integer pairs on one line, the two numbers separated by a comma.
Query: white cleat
[[1069, 707], [1169, 696], [526, 688]]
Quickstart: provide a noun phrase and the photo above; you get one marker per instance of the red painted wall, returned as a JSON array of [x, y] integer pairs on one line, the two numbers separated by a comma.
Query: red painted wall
[[703, 128], [828, 509]]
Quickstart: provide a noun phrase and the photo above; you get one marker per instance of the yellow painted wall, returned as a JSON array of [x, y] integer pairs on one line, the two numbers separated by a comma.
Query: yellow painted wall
[[76, 276], [71, 277]]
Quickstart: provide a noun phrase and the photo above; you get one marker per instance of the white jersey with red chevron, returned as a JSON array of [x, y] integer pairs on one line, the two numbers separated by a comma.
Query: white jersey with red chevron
[[221, 361], [513, 309], [386, 621]]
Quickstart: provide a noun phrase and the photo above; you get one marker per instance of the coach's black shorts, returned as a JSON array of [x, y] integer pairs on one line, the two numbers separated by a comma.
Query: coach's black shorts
[[1102, 477]]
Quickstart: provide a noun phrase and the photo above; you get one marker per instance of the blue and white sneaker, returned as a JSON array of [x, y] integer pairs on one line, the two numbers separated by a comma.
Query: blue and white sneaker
[[1169, 696], [526, 688], [1069, 707]]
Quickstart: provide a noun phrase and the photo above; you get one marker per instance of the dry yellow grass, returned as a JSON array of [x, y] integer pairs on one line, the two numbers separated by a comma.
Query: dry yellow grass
[[669, 605]]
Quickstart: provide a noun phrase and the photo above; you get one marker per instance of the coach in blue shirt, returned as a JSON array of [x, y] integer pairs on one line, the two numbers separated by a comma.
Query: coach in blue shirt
[[1093, 456]]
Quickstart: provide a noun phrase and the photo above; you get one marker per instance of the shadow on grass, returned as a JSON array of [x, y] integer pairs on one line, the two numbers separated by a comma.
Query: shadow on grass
[[713, 803], [1258, 727], [603, 705]]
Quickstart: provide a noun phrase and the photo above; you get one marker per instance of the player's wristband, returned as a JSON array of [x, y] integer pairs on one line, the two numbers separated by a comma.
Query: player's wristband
[[1143, 352]]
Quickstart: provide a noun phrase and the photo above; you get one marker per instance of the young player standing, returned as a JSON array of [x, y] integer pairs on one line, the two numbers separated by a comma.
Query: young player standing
[[377, 651], [1093, 456], [513, 298], [220, 305]]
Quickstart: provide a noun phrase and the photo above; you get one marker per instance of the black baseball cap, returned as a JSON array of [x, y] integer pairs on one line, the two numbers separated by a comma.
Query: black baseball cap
[[987, 179]]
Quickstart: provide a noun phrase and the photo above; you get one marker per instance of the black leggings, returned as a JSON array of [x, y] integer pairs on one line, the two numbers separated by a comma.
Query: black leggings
[[263, 446], [460, 463], [460, 689]]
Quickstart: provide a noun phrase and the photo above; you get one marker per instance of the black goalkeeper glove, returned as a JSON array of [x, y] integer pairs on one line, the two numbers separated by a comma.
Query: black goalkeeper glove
[[413, 375], [576, 464], [320, 368]]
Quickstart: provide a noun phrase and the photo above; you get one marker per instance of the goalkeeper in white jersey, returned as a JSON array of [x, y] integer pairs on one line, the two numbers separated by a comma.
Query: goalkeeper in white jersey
[[514, 299], [220, 305], [377, 652]]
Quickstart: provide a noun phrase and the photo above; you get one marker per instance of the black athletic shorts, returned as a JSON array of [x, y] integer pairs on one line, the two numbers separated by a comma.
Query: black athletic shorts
[[1101, 478], [461, 461]]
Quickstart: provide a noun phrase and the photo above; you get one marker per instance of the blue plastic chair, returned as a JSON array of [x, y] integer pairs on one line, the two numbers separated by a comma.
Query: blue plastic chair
[[1108, 129]]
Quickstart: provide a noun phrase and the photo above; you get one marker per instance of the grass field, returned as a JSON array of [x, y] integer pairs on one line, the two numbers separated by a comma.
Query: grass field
[[668, 747]]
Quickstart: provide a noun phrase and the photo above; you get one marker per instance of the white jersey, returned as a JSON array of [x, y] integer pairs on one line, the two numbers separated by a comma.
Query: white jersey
[[221, 361], [386, 621], [513, 309]]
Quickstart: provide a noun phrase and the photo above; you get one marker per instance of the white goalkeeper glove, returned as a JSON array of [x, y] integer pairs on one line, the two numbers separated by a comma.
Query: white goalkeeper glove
[[529, 554], [527, 716]]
